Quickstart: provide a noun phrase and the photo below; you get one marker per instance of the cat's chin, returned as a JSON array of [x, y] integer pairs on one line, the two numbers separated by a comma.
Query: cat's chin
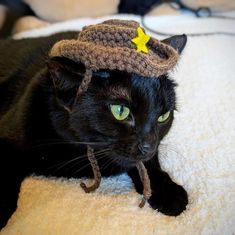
[[128, 161]]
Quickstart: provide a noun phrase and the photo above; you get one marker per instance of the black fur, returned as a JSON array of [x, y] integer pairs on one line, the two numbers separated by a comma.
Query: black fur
[[39, 134]]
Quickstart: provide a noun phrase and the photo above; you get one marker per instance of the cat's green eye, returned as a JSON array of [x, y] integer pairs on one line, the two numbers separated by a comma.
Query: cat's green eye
[[120, 112], [163, 117]]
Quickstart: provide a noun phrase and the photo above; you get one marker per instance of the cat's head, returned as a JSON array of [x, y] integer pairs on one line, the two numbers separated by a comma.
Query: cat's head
[[126, 113]]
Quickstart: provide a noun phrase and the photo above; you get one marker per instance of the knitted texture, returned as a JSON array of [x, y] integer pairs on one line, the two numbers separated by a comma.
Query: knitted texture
[[108, 45]]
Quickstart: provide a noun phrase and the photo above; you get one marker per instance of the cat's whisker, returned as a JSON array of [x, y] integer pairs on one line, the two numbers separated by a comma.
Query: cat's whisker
[[170, 148], [83, 167], [93, 143], [84, 157], [108, 163], [170, 144], [81, 158], [98, 157], [164, 155], [120, 162], [72, 142]]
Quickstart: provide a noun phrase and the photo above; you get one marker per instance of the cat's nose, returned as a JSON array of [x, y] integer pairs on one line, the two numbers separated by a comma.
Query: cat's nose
[[145, 148]]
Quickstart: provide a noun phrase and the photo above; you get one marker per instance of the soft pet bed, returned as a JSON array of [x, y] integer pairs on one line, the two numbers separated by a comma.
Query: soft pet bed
[[198, 153]]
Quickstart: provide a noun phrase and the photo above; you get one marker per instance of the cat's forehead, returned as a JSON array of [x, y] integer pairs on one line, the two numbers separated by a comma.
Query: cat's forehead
[[119, 92], [129, 86]]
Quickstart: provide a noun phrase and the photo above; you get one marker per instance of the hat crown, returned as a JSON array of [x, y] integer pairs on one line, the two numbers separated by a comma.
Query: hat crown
[[112, 33]]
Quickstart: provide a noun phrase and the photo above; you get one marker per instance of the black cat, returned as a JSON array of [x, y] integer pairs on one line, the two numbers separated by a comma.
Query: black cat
[[122, 116]]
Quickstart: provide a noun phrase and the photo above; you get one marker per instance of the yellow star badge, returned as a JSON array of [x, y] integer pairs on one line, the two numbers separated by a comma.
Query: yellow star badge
[[141, 41]]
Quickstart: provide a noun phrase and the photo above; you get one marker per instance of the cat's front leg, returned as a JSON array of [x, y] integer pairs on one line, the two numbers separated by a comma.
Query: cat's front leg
[[167, 196], [8, 198], [11, 176]]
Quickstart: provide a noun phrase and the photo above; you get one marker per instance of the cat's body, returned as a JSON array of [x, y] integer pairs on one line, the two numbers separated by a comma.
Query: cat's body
[[39, 135]]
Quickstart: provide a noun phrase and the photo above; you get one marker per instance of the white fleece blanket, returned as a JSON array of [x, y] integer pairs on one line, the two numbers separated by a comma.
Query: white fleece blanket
[[198, 153]]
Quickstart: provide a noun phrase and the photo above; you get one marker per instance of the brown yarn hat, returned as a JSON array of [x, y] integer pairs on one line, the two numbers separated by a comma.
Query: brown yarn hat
[[109, 45]]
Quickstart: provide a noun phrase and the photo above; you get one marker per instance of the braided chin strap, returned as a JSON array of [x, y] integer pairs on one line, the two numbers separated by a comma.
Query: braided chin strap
[[83, 86], [97, 177], [146, 183], [96, 172]]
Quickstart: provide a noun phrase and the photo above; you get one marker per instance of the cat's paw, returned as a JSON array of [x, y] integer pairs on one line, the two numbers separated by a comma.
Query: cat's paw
[[170, 199]]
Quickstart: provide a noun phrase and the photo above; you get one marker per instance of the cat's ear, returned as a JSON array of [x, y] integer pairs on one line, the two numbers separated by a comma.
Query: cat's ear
[[65, 73], [66, 77], [178, 42]]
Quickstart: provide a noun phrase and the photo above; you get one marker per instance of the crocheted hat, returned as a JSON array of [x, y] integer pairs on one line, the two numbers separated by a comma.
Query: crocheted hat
[[114, 45]]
